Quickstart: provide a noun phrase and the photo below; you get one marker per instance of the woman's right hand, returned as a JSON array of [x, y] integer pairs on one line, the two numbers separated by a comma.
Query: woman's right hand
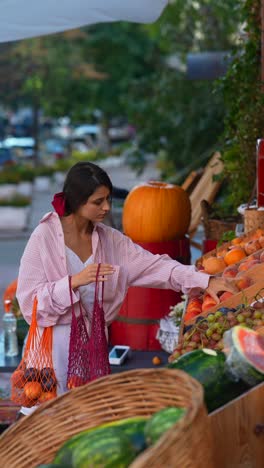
[[88, 274]]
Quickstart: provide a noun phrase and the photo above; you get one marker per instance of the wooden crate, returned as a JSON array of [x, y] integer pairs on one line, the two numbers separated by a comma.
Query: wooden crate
[[238, 431], [246, 296], [223, 247]]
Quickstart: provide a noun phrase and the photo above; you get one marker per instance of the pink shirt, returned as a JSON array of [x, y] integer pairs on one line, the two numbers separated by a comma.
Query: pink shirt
[[43, 272]]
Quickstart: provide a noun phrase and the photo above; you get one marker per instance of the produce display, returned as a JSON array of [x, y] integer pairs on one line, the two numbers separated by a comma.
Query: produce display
[[208, 331], [242, 261], [231, 253], [226, 375], [118, 443]]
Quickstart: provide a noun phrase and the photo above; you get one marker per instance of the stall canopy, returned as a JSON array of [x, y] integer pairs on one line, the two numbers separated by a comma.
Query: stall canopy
[[20, 19]]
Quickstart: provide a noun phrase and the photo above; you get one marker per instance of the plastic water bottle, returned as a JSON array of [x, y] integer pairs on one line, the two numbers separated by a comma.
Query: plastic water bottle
[[10, 331]]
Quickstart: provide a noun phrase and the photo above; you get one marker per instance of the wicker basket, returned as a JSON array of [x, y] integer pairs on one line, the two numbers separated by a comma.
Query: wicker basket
[[35, 439], [253, 219], [214, 229]]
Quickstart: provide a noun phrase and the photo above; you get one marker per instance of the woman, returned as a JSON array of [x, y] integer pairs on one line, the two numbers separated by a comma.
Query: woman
[[73, 241]]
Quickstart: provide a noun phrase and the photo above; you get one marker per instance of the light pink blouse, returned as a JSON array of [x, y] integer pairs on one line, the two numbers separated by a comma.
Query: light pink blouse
[[43, 272]]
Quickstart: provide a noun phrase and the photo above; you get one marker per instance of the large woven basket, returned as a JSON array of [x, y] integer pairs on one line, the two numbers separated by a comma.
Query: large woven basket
[[35, 439], [253, 219]]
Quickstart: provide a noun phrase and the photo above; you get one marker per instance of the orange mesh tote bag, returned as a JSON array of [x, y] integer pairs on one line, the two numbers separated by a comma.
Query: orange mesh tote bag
[[88, 356], [34, 380]]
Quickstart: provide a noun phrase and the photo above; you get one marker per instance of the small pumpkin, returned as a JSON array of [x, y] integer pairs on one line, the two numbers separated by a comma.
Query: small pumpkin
[[156, 212]]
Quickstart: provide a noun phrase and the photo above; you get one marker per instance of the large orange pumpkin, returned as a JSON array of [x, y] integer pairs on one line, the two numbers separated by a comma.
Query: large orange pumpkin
[[156, 212]]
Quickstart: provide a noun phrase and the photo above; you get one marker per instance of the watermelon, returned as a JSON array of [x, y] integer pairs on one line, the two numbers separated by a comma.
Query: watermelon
[[208, 366], [133, 428], [245, 354], [108, 446], [162, 421]]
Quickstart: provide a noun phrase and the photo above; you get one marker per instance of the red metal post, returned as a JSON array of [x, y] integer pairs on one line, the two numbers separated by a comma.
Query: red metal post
[[260, 142], [260, 172]]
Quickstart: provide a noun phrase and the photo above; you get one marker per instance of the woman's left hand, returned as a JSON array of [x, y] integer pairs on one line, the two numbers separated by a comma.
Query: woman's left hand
[[217, 285]]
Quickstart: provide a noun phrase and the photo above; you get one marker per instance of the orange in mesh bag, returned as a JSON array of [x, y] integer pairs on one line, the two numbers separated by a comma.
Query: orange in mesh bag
[[34, 380]]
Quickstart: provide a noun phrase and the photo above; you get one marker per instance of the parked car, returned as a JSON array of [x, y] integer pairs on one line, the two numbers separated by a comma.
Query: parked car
[[54, 148], [87, 134], [22, 148]]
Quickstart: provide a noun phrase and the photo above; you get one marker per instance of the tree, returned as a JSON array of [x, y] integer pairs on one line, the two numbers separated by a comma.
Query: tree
[[45, 73], [185, 118]]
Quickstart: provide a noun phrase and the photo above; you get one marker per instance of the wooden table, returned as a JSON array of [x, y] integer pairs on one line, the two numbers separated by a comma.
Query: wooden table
[[137, 360]]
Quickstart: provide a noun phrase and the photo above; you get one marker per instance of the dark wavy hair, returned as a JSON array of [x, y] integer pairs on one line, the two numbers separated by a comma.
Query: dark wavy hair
[[81, 182]]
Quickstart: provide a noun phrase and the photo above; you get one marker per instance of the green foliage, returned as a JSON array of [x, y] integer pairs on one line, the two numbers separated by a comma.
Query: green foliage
[[9, 176], [244, 101], [16, 201], [91, 155], [182, 118], [226, 237]]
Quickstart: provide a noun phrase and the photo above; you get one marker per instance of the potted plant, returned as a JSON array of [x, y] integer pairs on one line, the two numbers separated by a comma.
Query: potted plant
[[14, 212]]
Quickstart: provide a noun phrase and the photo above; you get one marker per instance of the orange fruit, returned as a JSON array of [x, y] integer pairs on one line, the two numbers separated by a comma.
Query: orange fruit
[[234, 255], [213, 265], [236, 241], [156, 361]]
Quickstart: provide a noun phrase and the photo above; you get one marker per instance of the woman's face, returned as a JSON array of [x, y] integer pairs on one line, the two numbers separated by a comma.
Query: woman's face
[[97, 205]]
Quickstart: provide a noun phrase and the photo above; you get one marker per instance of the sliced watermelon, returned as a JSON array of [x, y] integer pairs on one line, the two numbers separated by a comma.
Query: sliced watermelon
[[245, 354], [208, 366]]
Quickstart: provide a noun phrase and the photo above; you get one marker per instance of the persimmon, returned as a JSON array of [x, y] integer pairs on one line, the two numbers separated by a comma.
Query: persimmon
[[156, 361], [23, 400], [18, 379], [234, 255], [46, 396], [32, 390]]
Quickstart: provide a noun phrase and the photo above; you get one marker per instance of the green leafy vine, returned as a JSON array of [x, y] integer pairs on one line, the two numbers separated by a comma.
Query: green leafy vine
[[242, 89]]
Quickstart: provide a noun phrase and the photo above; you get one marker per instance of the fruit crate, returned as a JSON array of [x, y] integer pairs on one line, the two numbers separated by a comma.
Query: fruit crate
[[246, 296], [252, 235]]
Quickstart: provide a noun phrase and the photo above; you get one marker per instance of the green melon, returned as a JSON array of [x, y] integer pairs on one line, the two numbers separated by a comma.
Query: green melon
[[208, 366], [113, 444], [162, 421]]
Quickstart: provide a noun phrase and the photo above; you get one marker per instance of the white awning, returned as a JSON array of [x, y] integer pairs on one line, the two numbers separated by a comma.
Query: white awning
[[20, 19]]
